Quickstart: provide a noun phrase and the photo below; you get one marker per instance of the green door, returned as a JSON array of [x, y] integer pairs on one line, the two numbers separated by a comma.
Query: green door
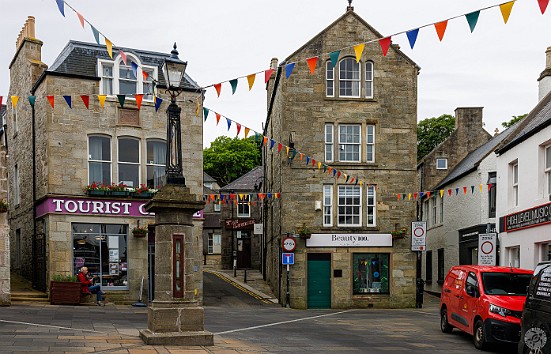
[[319, 280]]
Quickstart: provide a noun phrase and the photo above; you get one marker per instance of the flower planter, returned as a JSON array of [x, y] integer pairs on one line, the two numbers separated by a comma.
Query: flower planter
[[305, 236], [143, 195], [64, 293], [118, 193], [139, 234], [96, 192]]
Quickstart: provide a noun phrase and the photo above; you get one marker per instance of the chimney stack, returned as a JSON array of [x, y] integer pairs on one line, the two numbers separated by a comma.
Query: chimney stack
[[545, 76], [26, 32]]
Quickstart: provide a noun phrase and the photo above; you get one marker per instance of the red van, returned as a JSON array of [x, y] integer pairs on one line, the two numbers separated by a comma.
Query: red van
[[484, 301]]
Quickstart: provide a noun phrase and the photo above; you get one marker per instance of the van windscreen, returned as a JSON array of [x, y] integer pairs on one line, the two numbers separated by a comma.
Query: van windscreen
[[505, 283]]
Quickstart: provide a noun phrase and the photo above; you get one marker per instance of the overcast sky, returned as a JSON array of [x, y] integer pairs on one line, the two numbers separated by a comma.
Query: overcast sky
[[496, 67]]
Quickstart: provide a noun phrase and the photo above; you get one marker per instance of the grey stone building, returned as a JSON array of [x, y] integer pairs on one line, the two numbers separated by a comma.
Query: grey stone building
[[212, 224], [5, 297], [358, 117], [57, 151]]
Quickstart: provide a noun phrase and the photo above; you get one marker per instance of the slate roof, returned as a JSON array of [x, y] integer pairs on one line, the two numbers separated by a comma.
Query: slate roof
[[245, 182], [81, 58], [472, 160], [207, 178]]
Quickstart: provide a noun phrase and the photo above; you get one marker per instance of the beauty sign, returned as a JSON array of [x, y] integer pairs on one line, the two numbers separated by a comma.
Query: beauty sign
[[487, 245], [418, 235]]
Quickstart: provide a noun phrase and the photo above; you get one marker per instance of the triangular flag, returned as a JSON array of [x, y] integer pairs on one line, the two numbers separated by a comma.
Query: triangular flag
[[32, 100], [398, 196], [490, 185], [205, 113], [543, 5], [267, 75], [421, 194], [49, 98], [121, 98], [441, 29], [279, 146], [233, 84], [250, 80], [1, 98], [265, 140], [123, 57], [334, 57], [472, 19], [145, 75], [289, 69], [68, 100], [409, 196], [457, 191], [481, 188], [385, 44], [218, 88], [307, 160], [134, 69], [338, 174], [414, 195], [96, 33], [313, 162], [272, 143], [228, 121], [428, 194], [14, 100], [158, 101], [247, 130], [312, 62], [506, 10], [472, 189], [238, 128], [287, 151], [86, 100], [359, 49], [109, 46], [61, 6], [464, 190], [441, 193], [102, 98], [81, 19], [217, 118], [139, 98], [449, 192], [412, 36]]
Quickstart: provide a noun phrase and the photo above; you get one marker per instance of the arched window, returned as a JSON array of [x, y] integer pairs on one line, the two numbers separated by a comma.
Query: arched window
[[349, 78], [126, 79]]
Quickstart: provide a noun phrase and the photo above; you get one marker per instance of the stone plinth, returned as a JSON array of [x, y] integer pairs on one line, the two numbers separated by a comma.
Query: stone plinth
[[176, 320]]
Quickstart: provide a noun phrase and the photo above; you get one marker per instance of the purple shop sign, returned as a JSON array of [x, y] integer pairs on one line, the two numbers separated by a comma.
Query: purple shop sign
[[82, 206]]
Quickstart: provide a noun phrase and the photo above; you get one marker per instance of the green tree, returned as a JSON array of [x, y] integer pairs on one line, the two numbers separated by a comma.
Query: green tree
[[228, 159], [513, 121], [433, 131]]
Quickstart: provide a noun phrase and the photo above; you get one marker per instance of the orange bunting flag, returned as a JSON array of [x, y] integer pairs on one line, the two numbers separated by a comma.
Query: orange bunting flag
[[441, 193], [543, 5], [301, 156], [312, 62], [441, 29], [14, 100], [51, 100], [359, 49], [398, 196], [428, 195], [267, 75], [81, 19], [139, 98], [385, 44], [101, 99], [464, 190], [238, 127], [123, 56], [329, 170], [145, 75], [250, 80], [506, 10], [218, 88], [217, 118], [85, 100], [247, 130], [279, 146], [265, 140], [109, 46]]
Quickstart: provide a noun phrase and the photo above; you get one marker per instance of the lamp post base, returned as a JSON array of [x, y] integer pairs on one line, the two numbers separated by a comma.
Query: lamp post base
[[198, 338]]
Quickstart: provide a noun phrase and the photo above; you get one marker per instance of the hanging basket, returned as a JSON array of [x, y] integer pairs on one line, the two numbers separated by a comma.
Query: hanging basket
[[139, 234], [305, 236]]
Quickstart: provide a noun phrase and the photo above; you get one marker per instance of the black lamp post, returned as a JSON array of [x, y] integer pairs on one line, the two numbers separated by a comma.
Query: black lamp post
[[173, 71]]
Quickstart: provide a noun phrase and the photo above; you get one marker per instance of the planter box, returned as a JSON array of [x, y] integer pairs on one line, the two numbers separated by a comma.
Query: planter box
[[96, 193], [64, 293], [119, 193], [139, 234], [143, 195]]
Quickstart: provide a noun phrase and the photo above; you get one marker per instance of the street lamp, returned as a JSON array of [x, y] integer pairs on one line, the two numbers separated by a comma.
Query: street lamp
[[173, 71]]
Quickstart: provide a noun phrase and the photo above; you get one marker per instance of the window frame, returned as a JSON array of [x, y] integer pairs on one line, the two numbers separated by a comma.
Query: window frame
[[368, 80], [442, 209], [154, 165], [370, 143], [492, 194], [362, 262], [109, 162], [514, 183], [434, 208], [327, 205], [329, 142], [440, 159], [116, 64], [329, 81], [344, 145], [547, 168], [354, 83], [357, 206], [243, 206], [214, 243], [129, 163], [371, 205]]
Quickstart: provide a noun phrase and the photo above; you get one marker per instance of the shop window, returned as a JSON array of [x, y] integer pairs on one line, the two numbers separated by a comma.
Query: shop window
[[129, 162], [214, 246], [349, 143], [492, 197], [428, 267], [99, 159], [371, 273], [350, 206], [103, 249], [156, 163], [327, 205], [243, 206], [441, 268]]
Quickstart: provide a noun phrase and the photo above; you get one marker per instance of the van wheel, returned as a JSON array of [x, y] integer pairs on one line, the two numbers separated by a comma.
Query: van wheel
[[444, 325], [478, 335]]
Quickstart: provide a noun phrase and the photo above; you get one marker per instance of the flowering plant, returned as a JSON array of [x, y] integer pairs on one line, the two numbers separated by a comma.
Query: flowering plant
[[399, 233], [121, 187], [97, 187], [143, 189], [140, 230], [303, 231]]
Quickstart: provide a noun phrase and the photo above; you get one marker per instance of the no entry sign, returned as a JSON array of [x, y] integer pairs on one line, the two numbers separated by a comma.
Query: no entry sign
[[418, 235], [487, 244]]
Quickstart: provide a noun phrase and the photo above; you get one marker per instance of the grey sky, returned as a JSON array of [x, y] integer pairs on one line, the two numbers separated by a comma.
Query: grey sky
[[495, 67]]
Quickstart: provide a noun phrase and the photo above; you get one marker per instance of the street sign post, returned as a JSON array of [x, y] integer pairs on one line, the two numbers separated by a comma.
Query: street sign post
[[289, 244], [288, 259], [418, 235]]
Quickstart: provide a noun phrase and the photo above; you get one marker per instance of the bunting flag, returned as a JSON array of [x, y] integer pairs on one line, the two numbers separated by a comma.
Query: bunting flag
[[14, 100], [289, 69], [312, 62], [358, 50], [217, 118], [134, 69], [102, 98], [334, 57], [441, 29], [472, 19], [1, 98], [490, 185], [32, 100], [543, 5], [228, 121], [272, 143], [86, 100], [109, 46], [250, 80], [144, 73], [441, 193], [233, 84], [506, 10], [247, 130], [385, 44], [449, 192], [158, 101], [205, 113], [123, 57], [279, 146], [139, 98], [464, 190], [81, 19], [265, 140], [238, 128], [412, 37], [218, 88], [472, 189], [267, 75], [96, 33], [61, 6], [121, 99], [456, 191], [68, 100]]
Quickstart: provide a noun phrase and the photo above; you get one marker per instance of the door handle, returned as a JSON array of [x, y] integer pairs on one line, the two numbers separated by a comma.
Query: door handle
[[447, 291]]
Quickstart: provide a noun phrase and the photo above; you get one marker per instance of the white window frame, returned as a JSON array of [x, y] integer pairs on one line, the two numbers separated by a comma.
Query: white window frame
[[547, 168], [369, 79], [514, 183], [329, 142], [152, 163], [371, 205], [214, 244], [110, 162], [355, 83], [328, 205], [329, 79], [119, 162], [439, 165], [434, 213], [217, 206], [243, 206], [370, 143], [357, 193], [344, 144]]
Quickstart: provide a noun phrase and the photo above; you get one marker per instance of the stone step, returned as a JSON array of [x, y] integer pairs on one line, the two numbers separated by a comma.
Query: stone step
[[29, 299], [37, 295]]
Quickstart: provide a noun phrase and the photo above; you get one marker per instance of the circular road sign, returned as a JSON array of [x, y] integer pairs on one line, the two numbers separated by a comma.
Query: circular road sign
[[289, 244], [487, 247], [419, 231]]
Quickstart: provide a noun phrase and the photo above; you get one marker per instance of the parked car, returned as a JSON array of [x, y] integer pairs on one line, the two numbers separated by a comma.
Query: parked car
[[484, 301], [536, 317]]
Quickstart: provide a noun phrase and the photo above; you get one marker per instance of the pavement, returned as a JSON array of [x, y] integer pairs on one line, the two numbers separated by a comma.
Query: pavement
[[35, 327]]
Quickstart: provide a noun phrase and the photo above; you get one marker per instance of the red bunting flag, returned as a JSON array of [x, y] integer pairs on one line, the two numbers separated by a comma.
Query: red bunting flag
[[449, 192], [352, 180], [398, 196], [464, 190], [217, 118], [145, 75], [81, 19], [86, 100], [385, 44], [238, 128], [1, 101], [414, 195], [218, 88], [267, 75], [312, 62], [313, 162], [428, 194], [139, 98], [490, 185], [543, 5], [338, 174], [123, 56], [441, 29], [279, 146]]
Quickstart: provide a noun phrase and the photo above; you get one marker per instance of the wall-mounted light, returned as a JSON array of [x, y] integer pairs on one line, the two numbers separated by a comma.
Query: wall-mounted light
[[318, 205]]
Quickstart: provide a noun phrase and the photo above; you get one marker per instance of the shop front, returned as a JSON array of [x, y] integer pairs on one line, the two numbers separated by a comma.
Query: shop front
[[245, 246], [468, 242]]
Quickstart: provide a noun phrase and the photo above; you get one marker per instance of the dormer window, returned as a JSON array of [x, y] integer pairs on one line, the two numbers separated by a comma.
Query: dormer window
[[441, 164], [118, 78], [348, 79]]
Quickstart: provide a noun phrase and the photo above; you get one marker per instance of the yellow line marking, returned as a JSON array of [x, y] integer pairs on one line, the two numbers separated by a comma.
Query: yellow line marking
[[238, 286]]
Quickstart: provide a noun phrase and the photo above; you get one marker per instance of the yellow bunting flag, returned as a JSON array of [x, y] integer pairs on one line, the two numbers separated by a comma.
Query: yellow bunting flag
[[358, 49], [250, 80], [481, 188], [361, 183], [319, 165], [441, 193], [247, 130], [409, 196], [287, 149], [109, 46], [14, 100], [506, 10], [101, 99]]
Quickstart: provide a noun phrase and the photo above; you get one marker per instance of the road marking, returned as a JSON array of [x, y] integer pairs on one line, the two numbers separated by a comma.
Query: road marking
[[283, 322], [50, 326]]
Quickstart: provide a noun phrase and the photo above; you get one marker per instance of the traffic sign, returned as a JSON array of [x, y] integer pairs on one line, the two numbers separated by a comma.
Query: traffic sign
[[487, 244], [287, 258], [418, 235], [289, 244]]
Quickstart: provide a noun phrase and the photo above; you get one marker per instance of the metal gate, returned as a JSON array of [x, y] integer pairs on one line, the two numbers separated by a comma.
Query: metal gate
[[39, 260]]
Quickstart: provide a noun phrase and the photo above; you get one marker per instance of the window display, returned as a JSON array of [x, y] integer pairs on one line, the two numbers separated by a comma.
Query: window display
[[371, 273]]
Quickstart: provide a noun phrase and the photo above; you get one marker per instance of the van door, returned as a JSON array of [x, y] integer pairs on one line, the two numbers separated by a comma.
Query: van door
[[457, 296], [471, 293]]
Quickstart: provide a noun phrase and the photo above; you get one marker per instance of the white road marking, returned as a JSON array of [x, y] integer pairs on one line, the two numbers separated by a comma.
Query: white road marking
[[50, 326]]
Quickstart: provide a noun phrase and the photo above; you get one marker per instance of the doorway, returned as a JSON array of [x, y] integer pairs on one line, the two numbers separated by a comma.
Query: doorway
[[319, 280], [243, 251]]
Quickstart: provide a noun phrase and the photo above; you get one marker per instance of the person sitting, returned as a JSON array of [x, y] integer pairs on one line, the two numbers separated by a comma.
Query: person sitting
[[87, 286]]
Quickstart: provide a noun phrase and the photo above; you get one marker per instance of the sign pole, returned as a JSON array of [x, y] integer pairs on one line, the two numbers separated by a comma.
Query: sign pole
[[288, 293]]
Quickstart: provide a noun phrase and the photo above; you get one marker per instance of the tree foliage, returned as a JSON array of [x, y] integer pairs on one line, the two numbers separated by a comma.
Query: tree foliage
[[513, 121], [433, 131], [228, 159]]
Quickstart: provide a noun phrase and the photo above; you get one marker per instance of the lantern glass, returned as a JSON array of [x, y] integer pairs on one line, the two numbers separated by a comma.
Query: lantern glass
[[173, 71]]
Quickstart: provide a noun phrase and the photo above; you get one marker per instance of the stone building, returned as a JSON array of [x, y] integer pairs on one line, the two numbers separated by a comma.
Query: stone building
[[212, 224], [5, 297], [359, 117], [59, 149]]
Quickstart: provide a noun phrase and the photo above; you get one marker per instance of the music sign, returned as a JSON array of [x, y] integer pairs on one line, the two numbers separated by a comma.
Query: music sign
[[487, 245], [418, 235]]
